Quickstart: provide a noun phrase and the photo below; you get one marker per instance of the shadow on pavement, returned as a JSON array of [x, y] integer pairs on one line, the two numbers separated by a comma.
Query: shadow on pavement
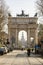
[[22, 55], [31, 55]]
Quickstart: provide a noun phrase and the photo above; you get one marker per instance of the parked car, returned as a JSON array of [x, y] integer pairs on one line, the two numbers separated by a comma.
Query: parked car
[[37, 49], [1, 51], [10, 48], [4, 50]]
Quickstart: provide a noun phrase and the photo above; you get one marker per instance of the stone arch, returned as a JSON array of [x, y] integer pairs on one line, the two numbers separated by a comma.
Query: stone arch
[[32, 42], [25, 33], [22, 42], [23, 23]]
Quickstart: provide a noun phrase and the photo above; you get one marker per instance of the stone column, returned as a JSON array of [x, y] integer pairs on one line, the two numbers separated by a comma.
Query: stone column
[[0, 31], [9, 35], [36, 37], [28, 37], [16, 37]]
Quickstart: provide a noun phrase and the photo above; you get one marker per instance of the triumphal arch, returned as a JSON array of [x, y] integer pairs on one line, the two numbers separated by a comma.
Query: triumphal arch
[[22, 22]]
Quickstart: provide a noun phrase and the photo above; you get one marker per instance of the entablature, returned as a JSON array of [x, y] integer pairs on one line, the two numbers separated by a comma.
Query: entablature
[[24, 26], [29, 20]]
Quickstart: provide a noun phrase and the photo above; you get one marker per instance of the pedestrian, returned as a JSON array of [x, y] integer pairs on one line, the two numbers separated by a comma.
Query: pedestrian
[[7, 42], [28, 51]]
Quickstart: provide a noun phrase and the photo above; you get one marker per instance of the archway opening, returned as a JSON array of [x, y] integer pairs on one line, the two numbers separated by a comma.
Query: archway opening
[[22, 38], [32, 42]]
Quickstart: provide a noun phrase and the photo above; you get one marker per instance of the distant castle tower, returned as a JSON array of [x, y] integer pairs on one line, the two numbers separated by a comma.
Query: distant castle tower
[[22, 39]]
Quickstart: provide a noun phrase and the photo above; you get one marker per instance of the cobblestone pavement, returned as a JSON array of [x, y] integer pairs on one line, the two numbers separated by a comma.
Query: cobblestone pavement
[[18, 57]]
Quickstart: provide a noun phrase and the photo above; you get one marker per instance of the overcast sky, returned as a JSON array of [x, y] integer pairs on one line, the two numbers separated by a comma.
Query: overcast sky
[[16, 6]]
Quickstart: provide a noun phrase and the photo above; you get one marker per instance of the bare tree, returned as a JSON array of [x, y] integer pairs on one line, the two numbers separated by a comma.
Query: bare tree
[[3, 8], [40, 6], [3, 16], [3, 13]]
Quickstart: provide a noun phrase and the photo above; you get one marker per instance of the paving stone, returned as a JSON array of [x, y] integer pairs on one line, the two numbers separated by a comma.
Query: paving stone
[[18, 57]]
